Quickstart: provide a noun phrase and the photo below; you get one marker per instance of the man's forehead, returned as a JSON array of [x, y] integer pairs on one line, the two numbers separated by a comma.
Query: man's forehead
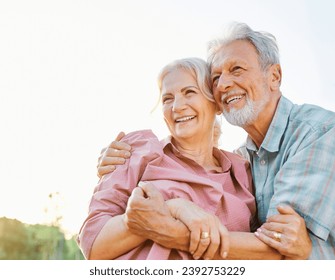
[[239, 51], [223, 55], [221, 59]]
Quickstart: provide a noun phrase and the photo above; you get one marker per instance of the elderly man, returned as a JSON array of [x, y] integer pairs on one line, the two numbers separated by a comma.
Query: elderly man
[[290, 147]]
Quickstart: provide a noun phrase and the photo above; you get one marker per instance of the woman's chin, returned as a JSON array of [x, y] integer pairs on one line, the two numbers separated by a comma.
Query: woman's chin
[[185, 135]]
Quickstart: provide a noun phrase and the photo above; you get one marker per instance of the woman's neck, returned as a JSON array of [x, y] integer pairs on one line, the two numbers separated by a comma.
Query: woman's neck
[[199, 151]]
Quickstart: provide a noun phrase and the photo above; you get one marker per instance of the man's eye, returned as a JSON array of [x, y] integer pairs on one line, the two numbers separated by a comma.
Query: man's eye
[[236, 68], [215, 79]]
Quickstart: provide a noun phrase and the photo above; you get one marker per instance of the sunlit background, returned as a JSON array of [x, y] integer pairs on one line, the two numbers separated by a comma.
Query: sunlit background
[[75, 73]]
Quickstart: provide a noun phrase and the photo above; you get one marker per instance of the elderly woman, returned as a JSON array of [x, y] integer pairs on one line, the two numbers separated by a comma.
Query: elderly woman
[[193, 193]]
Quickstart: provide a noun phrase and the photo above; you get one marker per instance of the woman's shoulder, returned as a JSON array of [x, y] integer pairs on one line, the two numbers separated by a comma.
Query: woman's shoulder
[[140, 135], [143, 142]]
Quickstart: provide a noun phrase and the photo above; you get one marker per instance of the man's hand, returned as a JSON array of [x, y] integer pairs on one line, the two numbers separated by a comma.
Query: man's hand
[[287, 233], [147, 215], [115, 154]]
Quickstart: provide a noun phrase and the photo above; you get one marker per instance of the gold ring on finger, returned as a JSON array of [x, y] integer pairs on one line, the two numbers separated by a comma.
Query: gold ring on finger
[[277, 235], [204, 235]]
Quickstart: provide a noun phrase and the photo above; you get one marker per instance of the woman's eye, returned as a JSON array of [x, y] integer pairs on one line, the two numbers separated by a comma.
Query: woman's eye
[[166, 100]]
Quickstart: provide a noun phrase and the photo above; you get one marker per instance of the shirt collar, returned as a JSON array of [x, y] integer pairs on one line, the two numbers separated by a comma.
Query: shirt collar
[[166, 141], [219, 155], [276, 130], [223, 159]]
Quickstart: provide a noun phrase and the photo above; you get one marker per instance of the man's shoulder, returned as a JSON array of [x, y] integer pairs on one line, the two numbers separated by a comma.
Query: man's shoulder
[[313, 116], [306, 124]]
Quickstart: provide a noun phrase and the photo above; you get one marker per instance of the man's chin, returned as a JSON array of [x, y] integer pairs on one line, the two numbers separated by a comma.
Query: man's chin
[[238, 118]]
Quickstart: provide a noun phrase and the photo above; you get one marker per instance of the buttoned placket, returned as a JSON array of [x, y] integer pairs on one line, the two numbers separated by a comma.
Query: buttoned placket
[[260, 173]]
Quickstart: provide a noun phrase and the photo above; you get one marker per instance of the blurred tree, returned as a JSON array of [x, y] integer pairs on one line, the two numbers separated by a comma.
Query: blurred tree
[[19, 241], [53, 209], [13, 239], [72, 252]]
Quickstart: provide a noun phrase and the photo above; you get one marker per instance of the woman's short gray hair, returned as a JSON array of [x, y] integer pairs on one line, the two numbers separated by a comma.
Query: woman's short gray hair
[[264, 42], [197, 67]]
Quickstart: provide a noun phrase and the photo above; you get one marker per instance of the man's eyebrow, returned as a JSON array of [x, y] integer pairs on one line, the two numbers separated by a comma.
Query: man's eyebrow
[[216, 68], [214, 71]]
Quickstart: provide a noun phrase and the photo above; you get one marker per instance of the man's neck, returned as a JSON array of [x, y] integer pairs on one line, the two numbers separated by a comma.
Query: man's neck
[[258, 129]]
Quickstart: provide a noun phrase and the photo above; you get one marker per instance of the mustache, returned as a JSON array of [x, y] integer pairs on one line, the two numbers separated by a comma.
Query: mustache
[[231, 93]]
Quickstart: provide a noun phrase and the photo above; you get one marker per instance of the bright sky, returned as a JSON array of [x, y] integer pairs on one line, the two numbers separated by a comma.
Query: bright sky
[[75, 73]]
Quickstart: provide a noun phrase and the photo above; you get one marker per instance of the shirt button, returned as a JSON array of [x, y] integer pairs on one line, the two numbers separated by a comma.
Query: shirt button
[[262, 162]]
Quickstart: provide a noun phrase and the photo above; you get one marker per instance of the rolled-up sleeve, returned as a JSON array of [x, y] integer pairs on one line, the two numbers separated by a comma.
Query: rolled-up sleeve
[[111, 195], [307, 182]]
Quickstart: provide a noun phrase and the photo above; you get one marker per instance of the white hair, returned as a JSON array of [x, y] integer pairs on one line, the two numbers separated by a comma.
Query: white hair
[[197, 67], [264, 43]]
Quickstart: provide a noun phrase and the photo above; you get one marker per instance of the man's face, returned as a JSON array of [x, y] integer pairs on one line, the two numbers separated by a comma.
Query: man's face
[[239, 84]]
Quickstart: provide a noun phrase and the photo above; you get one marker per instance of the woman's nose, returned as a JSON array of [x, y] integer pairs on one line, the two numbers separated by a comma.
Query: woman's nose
[[179, 103]]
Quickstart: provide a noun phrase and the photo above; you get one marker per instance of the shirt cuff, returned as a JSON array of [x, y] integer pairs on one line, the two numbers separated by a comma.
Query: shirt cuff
[[312, 225]]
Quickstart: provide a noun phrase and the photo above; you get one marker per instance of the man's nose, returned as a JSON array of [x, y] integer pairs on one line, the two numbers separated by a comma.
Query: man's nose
[[225, 82]]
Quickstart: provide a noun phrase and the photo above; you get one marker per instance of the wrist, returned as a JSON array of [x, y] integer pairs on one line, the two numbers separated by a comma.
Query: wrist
[[175, 206], [124, 221], [181, 235]]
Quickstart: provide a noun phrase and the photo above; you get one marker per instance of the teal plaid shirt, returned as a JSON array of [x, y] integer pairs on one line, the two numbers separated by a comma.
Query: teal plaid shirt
[[295, 165]]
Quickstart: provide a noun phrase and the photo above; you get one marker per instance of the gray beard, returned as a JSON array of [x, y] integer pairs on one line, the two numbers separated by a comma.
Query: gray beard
[[246, 115]]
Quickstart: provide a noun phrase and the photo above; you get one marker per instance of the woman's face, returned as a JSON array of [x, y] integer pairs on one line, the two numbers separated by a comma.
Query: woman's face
[[187, 113]]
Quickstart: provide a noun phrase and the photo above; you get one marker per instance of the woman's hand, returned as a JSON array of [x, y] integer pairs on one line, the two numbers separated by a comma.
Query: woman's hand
[[147, 215], [115, 154], [287, 233], [207, 232]]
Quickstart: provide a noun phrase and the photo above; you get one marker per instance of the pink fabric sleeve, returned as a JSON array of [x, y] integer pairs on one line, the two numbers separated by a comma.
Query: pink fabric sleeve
[[111, 194], [242, 171]]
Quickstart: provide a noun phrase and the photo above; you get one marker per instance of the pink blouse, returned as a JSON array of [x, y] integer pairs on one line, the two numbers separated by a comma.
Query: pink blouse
[[227, 194]]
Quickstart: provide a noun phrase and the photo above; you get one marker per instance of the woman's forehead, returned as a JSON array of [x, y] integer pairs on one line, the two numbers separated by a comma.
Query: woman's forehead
[[178, 78]]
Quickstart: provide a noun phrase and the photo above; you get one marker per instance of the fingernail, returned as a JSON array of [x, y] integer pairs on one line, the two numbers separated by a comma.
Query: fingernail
[[224, 255], [256, 233], [196, 257], [127, 154], [259, 230], [140, 184], [207, 259]]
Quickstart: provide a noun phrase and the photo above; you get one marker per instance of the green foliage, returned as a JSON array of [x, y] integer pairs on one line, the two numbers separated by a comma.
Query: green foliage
[[19, 241], [13, 237]]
